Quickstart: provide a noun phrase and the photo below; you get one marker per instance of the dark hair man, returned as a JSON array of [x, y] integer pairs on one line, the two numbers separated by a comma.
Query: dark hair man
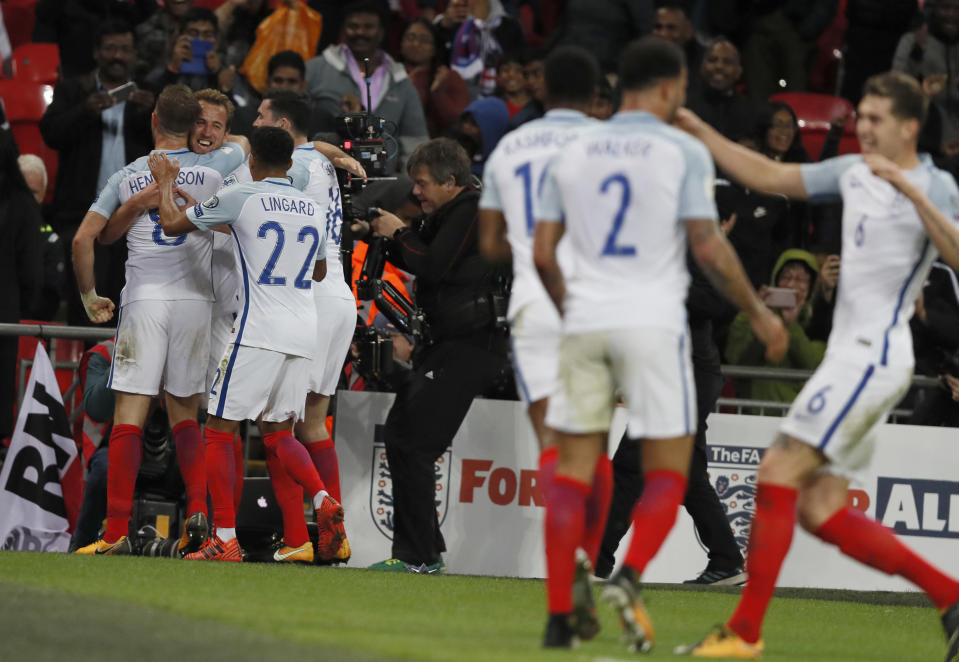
[[336, 78], [455, 289], [716, 99], [95, 134], [827, 435], [624, 318]]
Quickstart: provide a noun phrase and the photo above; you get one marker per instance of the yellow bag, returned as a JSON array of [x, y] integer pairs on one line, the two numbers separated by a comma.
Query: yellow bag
[[286, 29]]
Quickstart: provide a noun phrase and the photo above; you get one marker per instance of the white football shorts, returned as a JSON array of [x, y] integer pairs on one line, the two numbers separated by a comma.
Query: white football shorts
[[254, 381], [534, 337], [650, 367], [162, 343], [335, 322], [840, 407]]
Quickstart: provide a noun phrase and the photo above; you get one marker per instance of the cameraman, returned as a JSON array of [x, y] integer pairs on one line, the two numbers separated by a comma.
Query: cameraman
[[461, 359]]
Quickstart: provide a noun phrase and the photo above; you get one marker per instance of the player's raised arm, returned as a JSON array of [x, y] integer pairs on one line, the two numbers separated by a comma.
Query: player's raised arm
[[941, 229], [747, 167], [99, 309], [340, 159], [172, 219], [242, 141]]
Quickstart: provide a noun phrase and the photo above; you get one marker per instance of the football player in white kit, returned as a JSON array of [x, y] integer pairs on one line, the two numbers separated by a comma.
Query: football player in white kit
[[278, 233], [163, 327], [829, 432], [313, 173], [629, 193], [513, 175]]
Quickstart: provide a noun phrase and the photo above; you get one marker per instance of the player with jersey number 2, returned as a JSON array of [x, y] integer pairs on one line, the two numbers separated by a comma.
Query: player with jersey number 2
[[894, 202], [629, 194], [278, 234]]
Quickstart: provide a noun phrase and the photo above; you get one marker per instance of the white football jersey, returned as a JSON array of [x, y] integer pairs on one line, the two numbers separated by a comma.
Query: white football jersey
[[278, 232], [886, 254], [160, 267], [314, 174], [225, 286], [513, 178], [624, 189]]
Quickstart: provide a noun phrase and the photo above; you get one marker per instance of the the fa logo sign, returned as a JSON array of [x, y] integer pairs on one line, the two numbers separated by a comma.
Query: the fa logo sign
[[732, 472], [381, 486]]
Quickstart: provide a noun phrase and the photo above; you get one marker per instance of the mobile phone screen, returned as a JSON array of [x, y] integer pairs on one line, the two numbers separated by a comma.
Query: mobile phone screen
[[198, 50], [122, 93]]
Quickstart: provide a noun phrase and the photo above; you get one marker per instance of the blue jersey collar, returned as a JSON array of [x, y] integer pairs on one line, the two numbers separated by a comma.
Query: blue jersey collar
[[282, 181]]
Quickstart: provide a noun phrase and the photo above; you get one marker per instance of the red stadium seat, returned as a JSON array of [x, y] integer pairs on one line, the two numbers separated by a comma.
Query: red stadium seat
[[39, 63], [25, 103], [19, 17], [815, 112]]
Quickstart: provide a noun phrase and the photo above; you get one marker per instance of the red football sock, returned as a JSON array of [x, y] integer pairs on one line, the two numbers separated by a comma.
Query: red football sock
[[238, 477], [323, 454], [869, 542], [123, 456], [597, 507], [289, 497], [654, 516], [295, 460], [769, 539], [547, 469], [190, 456], [565, 523], [219, 476]]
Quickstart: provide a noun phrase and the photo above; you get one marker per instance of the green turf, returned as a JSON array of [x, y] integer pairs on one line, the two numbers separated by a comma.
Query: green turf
[[238, 611]]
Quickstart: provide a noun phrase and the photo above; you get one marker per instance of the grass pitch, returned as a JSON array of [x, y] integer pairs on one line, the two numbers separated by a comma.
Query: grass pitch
[[58, 606]]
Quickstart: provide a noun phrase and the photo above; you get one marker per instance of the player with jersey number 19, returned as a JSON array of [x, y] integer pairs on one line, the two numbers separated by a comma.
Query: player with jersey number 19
[[894, 202], [278, 236], [629, 193]]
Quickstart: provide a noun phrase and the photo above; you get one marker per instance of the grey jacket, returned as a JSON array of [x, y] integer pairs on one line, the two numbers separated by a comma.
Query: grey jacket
[[328, 79]]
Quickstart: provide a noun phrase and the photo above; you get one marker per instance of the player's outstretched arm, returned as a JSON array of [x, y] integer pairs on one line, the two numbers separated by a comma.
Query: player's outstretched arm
[[941, 230], [492, 236], [721, 265], [242, 141], [172, 219], [339, 158], [747, 167], [545, 238], [121, 220], [99, 309]]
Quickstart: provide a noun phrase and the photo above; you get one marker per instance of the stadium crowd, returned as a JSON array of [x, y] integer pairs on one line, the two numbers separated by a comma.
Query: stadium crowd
[[231, 97]]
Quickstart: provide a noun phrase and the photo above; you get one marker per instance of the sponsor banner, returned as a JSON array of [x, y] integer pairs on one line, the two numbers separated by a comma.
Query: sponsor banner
[[491, 508], [42, 454]]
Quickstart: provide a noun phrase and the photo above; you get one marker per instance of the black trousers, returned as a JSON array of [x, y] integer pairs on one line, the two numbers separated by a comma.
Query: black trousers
[[425, 416], [702, 503]]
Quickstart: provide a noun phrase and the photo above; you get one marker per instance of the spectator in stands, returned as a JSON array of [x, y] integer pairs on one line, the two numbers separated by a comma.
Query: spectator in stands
[[95, 135], [779, 134], [533, 67], [874, 30], [716, 99], [795, 270], [198, 25], [73, 25], [487, 34], [335, 79], [47, 303], [673, 22], [484, 121], [155, 35], [238, 22], [931, 54], [781, 44], [604, 27], [935, 334], [511, 84], [447, 24], [442, 91], [20, 266]]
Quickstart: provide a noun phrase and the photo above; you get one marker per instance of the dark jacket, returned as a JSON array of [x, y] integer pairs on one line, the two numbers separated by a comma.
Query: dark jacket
[[453, 282], [77, 135], [20, 262], [731, 114]]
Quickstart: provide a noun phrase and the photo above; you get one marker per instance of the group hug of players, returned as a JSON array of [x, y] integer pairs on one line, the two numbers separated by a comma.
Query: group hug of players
[[233, 302]]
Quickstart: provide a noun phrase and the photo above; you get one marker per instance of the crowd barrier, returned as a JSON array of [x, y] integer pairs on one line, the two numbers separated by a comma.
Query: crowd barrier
[[492, 512]]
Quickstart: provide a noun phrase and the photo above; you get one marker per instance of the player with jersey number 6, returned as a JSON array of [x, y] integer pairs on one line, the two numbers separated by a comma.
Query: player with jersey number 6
[[278, 233], [629, 194], [894, 202]]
